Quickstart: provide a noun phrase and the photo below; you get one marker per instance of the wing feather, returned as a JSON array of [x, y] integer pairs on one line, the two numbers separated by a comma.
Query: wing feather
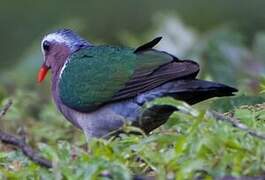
[[102, 74], [141, 82]]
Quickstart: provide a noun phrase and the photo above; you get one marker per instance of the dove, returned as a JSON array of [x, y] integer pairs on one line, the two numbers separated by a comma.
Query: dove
[[99, 88]]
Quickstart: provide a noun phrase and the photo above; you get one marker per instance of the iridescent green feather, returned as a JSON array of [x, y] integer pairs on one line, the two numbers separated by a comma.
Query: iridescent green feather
[[93, 75]]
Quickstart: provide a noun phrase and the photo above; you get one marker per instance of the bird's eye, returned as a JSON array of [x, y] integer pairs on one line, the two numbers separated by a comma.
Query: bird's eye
[[46, 46]]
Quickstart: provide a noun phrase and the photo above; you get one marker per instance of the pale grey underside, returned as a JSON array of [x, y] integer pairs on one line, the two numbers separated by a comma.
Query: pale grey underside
[[112, 116]]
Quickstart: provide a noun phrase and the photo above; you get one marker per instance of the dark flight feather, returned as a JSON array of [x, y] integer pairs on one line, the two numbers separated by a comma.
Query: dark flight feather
[[172, 71], [148, 45]]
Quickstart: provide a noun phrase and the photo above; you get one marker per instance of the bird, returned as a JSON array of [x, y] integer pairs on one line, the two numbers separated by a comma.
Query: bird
[[99, 88]]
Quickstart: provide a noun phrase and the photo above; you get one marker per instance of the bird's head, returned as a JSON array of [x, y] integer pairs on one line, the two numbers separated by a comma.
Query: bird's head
[[56, 47]]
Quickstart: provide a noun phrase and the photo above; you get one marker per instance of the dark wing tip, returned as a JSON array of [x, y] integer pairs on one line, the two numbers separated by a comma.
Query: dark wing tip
[[233, 90], [148, 45], [157, 39], [226, 90]]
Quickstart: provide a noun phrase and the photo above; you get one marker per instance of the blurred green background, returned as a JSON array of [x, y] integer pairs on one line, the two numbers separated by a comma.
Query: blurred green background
[[226, 37]]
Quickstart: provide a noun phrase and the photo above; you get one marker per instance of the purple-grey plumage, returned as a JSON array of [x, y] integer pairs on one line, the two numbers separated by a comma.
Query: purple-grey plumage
[[98, 110]]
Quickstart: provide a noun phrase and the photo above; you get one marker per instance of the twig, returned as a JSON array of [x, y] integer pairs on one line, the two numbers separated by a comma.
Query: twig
[[25, 148], [5, 108], [236, 123], [20, 143]]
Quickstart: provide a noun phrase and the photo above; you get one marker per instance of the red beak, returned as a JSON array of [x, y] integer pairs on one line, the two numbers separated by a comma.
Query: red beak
[[42, 73]]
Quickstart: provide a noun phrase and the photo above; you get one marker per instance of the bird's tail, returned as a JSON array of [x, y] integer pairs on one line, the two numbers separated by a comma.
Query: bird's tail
[[194, 91], [190, 91]]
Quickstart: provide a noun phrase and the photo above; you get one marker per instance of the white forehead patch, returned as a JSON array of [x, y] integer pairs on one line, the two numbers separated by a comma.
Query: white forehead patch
[[59, 38], [67, 37], [56, 37]]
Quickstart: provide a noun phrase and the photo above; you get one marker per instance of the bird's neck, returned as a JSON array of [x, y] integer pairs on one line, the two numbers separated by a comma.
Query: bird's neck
[[56, 68], [54, 84]]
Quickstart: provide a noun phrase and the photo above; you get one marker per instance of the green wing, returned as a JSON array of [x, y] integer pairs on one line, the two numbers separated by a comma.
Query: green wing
[[100, 74]]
